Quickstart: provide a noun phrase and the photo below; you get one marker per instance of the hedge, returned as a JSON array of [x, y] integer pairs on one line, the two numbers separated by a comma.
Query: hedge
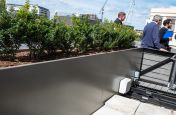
[[43, 36]]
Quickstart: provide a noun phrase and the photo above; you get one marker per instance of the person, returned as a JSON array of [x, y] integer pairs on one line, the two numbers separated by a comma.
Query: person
[[165, 41], [121, 17], [150, 38]]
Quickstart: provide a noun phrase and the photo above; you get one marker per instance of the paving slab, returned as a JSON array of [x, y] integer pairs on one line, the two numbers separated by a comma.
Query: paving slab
[[149, 109], [122, 104], [109, 111], [173, 112], [118, 105]]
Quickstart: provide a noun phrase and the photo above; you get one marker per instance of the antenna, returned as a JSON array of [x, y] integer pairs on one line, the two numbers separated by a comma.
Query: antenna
[[102, 10]]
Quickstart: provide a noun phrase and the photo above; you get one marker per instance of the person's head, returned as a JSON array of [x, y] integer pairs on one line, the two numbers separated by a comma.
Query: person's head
[[121, 16], [157, 19], [167, 23]]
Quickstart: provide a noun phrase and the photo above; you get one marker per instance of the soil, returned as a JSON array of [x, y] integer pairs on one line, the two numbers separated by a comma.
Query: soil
[[22, 57]]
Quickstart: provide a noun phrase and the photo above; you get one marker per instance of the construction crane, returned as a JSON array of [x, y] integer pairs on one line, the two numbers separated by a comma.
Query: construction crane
[[131, 8], [130, 12], [102, 10]]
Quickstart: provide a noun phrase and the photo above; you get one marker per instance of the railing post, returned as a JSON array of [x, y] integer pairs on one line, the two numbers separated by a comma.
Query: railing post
[[172, 78]]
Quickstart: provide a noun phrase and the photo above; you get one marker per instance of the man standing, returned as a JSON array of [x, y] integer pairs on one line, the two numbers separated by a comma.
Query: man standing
[[150, 37], [121, 18], [165, 41]]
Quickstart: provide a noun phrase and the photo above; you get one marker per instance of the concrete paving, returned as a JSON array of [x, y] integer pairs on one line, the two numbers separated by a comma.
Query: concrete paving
[[148, 109], [119, 105], [173, 112], [123, 104], [108, 111]]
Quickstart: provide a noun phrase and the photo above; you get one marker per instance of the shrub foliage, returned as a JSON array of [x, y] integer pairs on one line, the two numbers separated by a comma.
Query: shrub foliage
[[43, 36]]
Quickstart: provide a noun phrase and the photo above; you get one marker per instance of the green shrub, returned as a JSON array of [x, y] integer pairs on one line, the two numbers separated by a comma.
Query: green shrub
[[34, 30], [126, 37], [36, 35], [108, 36], [42, 35], [9, 35], [84, 30]]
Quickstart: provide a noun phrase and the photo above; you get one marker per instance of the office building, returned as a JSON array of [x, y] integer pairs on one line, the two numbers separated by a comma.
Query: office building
[[40, 10]]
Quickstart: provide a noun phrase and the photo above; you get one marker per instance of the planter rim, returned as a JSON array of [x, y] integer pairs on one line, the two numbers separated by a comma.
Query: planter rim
[[56, 60]]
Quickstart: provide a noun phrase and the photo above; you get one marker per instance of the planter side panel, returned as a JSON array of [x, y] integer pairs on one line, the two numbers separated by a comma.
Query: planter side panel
[[77, 86]]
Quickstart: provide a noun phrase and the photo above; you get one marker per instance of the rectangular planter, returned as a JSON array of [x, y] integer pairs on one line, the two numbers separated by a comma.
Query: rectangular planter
[[75, 86]]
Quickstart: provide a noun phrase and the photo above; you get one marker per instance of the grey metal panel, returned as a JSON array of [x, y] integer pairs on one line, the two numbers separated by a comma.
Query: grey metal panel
[[150, 63], [76, 86], [151, 59], [162, 70], [160, 75], [150, 78], [155, 57]]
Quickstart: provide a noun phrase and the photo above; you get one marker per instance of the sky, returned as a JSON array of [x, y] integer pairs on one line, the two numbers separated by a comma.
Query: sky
[[139, 12]]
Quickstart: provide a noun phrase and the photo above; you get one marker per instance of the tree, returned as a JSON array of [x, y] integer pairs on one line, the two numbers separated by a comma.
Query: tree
[[24, 12], [9, 38], [2, 5]]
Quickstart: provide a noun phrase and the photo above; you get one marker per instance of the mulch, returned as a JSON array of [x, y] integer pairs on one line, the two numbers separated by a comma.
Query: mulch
[[22, 57]]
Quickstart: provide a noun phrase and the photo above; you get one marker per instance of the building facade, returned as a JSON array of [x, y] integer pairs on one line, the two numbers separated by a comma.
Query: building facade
[[166, 13], [40, 10], [93, 19]]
